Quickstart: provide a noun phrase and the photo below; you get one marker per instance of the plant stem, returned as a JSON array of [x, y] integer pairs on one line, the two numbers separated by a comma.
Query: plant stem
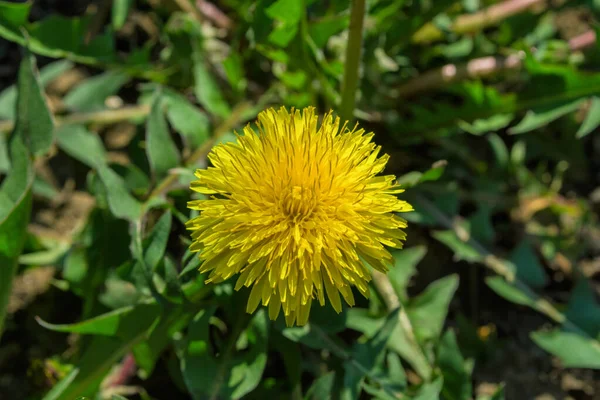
[[352, 63], [104, 117]]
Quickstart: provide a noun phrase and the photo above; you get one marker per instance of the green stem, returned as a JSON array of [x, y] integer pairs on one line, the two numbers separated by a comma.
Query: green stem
[[350, 82]]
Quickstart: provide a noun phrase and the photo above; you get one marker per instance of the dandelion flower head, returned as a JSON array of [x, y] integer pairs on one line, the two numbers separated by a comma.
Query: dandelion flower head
[[297, 210]]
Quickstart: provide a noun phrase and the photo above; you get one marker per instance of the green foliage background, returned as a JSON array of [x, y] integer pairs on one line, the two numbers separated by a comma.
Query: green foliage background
[[489, 110]]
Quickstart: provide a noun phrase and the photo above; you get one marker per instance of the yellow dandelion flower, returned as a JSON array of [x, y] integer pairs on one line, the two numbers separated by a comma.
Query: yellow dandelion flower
[[296, 210]]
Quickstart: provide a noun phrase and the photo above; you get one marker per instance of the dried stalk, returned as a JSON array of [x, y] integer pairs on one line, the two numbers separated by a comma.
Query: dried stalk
[[469, 23]]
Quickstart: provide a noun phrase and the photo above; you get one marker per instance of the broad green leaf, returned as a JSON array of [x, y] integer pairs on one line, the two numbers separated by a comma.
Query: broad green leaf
[[322, 387], [121, 203], [232, 374], [367, 354], [592, 119], [511, 292], [528, 268], [101, 354], [120, 9], [405, 266], [482, 229], [462, 250], [81, 144], [321, 30], [91, 94], [537, 118], [206, 88], [191, 123], [14, 14], [33, 121], [109, 324], [457, 380], [4, 158], [430, 390], [575, 351], [288, 11], [8, 97], [583, 309], [428, 310], [160, 148], [234, 70]]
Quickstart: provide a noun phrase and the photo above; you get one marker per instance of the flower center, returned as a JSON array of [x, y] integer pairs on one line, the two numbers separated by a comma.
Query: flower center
[[298, 203]]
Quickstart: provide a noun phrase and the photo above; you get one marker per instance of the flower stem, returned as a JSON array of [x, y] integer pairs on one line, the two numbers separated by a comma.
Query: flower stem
[[352, 63]]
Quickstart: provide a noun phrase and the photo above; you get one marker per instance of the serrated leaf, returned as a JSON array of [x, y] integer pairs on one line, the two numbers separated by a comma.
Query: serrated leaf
[[592, 119], [91, 94], [574, 351], [428, 310], [33, 120], [160, 148], [81, 144]]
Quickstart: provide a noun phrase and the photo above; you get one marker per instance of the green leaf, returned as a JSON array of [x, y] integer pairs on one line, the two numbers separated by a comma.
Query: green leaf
[[206, 89], [367, 354], [14, 218], [414, 178], [160, 148], [511, 292], [430, 390], [457, 379], [14, 14], [81, 144], [191, 123], [592, 119], [575, 351], [100, 356], [528, 268], [539, 117], [428, 311], [481, 224], [288, 11], [91, 94], [321, 30], [583, 309], [156, 244], [120, 9], [34, 121], [110, 324], [322, 387], [462, 250], [120, 201], [500, 150], [8, 98], [405, 266], [232, 374]]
